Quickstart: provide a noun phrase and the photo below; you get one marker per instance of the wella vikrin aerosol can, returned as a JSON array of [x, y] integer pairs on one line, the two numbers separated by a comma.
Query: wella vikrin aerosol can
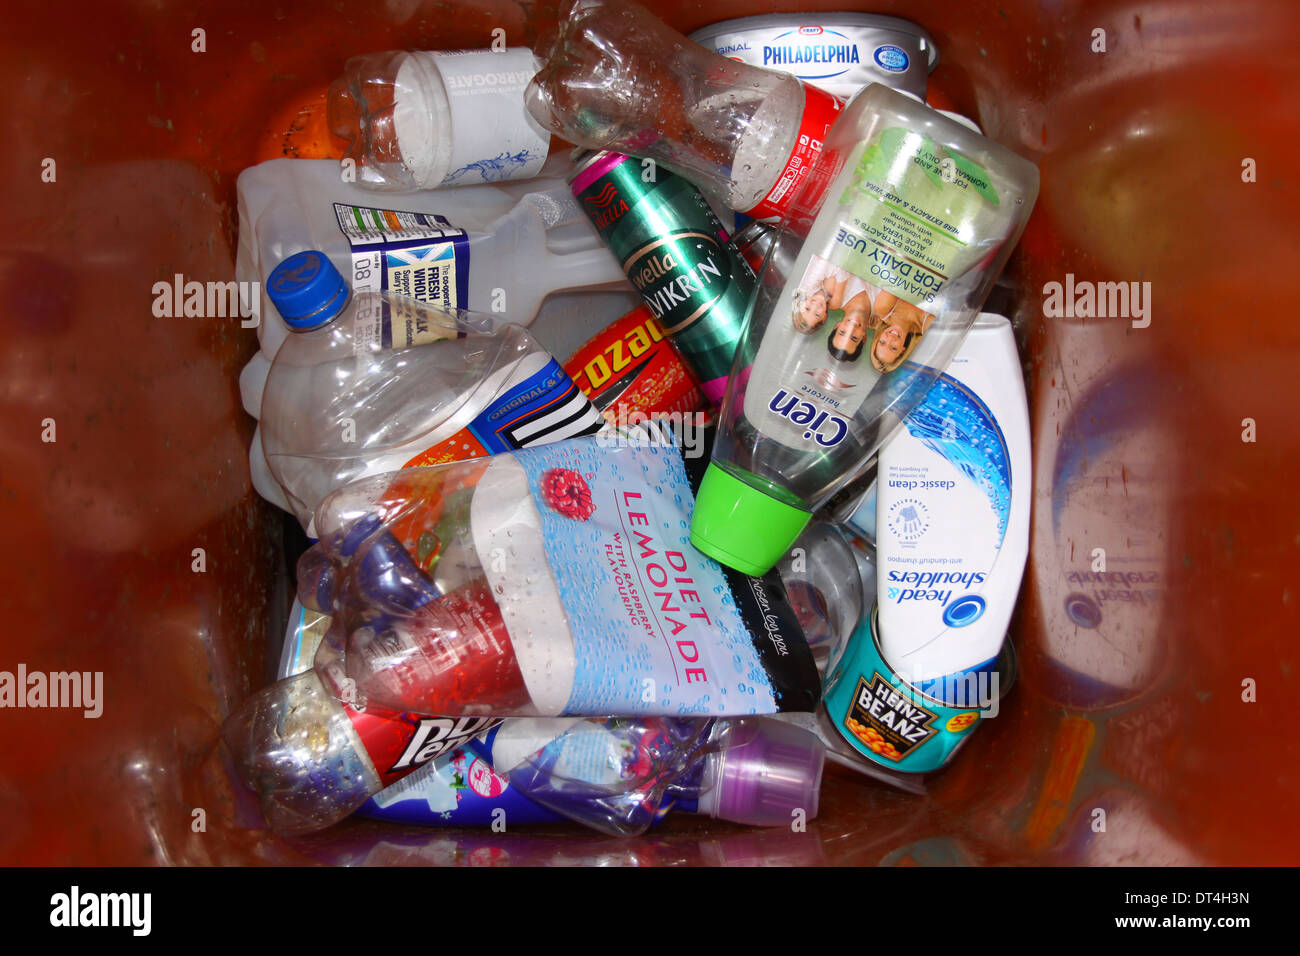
[[920, 215]]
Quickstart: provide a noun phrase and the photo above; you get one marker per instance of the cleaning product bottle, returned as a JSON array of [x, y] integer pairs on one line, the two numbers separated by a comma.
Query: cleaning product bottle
[[920, 216], [422, 120], [372, 382], [617, 78]]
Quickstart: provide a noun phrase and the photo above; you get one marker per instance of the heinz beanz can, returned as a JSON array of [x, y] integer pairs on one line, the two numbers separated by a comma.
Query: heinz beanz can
[[837, 52], [888, 721], [675, 252]]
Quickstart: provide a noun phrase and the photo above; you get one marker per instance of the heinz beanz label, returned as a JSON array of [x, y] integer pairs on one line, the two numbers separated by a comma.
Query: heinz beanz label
[[891, 723]]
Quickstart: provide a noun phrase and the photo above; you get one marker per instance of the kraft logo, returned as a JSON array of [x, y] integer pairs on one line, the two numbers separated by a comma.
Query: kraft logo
[[811, 31]]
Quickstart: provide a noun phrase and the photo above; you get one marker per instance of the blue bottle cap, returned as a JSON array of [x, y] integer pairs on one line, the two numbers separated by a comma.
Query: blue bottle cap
[[307, 290]]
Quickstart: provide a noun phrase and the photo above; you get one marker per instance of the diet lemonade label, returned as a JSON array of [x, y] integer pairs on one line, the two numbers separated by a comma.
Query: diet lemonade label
[[655, 627], [897, 226], [417, 255]]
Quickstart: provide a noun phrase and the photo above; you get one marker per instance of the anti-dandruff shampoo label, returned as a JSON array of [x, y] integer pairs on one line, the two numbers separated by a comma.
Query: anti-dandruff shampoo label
[[952, 515], [903, 219]]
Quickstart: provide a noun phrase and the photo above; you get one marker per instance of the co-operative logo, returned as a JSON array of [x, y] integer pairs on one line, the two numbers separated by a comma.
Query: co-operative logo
[[908, 519]]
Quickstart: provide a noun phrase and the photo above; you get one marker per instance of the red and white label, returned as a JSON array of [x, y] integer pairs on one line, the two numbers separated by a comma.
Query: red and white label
[[820, 111], [397, 743]]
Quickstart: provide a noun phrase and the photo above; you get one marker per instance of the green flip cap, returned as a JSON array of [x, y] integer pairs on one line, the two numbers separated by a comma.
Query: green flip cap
[[744, 528]]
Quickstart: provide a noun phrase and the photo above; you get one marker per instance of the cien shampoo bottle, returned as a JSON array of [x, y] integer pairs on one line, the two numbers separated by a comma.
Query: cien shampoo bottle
[[900, 229]]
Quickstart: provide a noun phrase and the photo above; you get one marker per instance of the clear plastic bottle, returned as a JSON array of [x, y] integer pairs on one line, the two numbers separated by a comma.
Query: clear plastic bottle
[[920, 215], [373, 383], [313, 757], [618, 775], [618, 78], [422, 120], [827, 586]]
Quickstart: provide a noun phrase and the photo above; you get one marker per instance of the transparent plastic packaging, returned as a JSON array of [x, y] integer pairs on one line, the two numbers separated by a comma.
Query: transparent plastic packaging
[[555, 580], [826, 587], [428, 119], [618, 78], [374, 383], [619, 775], [313, 753], [903, 225]]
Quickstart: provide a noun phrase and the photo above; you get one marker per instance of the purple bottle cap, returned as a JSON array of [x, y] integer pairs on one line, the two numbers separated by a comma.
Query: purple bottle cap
[[774, 770]]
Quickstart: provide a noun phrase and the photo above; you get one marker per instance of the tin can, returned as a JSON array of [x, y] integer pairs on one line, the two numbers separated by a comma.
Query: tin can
[[890, 722], [675, 252], [631, 370], [837, 52]]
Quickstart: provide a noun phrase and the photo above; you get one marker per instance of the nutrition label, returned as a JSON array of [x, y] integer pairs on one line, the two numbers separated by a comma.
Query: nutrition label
[[418, 255]]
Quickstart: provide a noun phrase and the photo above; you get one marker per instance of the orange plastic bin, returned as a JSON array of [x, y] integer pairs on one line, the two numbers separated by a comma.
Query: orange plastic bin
[[1160, 691]]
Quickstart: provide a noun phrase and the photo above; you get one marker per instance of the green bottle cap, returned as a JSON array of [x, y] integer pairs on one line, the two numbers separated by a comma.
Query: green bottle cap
[[742, 527]]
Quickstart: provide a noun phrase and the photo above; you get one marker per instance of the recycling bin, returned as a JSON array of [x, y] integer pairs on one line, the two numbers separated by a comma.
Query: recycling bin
[[1150, 296]]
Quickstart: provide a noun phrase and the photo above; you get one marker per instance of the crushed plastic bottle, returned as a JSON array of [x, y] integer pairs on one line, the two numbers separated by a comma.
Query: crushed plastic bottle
[[619, 78], [374, 383], [619, 775], [572, 591], [314, 753]]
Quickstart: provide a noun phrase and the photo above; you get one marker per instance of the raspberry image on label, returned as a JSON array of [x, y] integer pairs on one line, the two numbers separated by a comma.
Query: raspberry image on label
[[565, 491]]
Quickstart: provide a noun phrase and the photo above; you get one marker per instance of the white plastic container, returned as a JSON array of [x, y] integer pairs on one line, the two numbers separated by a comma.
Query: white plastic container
[[499, 248], [837, 52], [952, 515]]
